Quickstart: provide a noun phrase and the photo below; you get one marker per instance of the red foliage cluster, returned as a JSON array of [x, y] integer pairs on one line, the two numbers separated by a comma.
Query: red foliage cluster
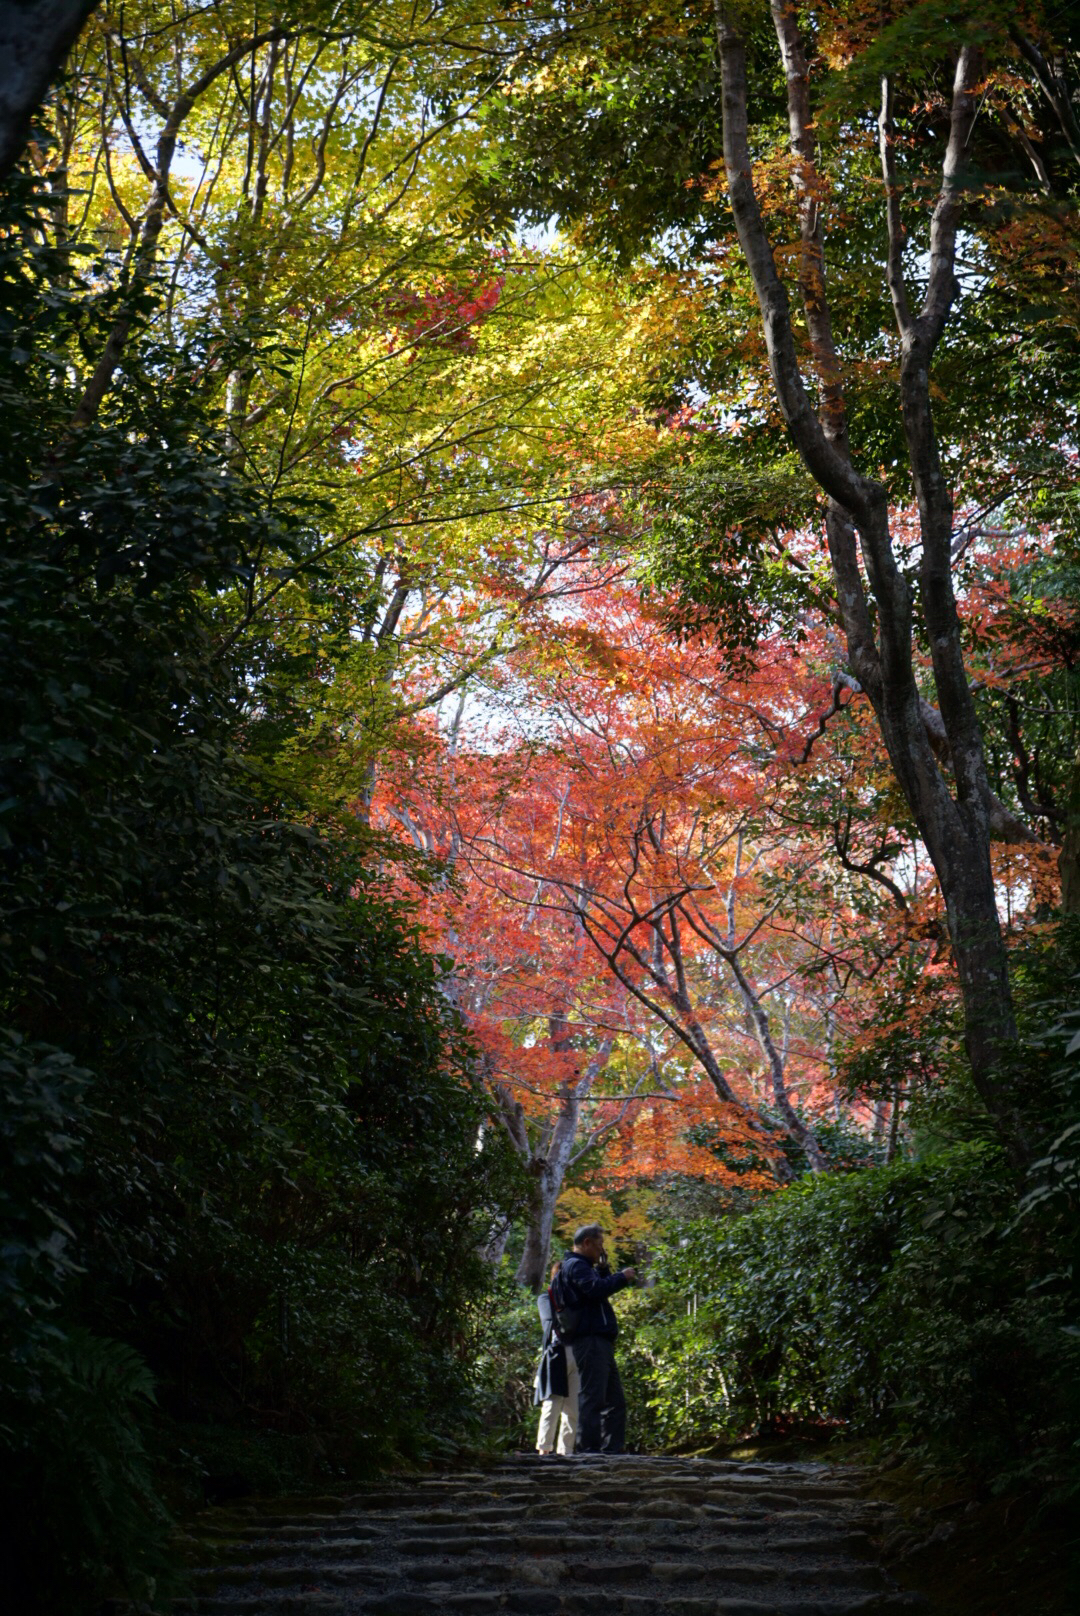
[[444, 315], [701, 874]]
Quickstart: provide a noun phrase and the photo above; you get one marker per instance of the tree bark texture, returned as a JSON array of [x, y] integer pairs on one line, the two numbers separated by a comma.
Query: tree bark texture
[[1069, 858], [546, 1161], [35, 37], [547, 1172], [956, 817]]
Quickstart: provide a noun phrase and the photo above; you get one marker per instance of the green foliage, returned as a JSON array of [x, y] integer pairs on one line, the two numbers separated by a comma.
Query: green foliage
[[41, 1095], [239, 1121], [633, 113], [80, 1501], [1048, 979], [713, 549], [909, 1302], [669, 1369], [507, 1352], [621, 141], [896, 1300], [1031, 727]]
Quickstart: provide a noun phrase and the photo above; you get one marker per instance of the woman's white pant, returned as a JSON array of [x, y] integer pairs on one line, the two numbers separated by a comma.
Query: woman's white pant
[[560, 1414]]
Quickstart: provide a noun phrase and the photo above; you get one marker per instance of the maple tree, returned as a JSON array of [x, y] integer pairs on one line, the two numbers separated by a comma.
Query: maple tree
[[629, 899], [769, 209], [532, 721], [556, 1044], [681, 897]]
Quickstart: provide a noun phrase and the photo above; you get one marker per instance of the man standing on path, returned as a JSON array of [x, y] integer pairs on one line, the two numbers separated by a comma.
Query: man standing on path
[[587, 1284]]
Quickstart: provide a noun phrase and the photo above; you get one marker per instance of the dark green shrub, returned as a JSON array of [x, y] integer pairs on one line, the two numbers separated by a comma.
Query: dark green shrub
[[508, 1337], [238, 1132], [80, 1501], [897, 1300]]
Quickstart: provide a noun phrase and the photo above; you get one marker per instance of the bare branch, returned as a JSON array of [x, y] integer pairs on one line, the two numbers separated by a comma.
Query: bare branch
[[837, 705], [153, 219], [894, 270], [824, 459], [809, 187], [941, 286]]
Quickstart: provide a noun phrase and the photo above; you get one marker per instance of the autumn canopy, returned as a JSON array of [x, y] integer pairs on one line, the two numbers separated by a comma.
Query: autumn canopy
[[540, 628]]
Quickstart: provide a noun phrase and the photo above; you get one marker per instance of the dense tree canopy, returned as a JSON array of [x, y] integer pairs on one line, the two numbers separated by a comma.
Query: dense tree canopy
[[540, 629]]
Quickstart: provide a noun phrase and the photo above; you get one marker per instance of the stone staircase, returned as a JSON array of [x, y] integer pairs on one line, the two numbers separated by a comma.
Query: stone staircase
[[588, 1536]]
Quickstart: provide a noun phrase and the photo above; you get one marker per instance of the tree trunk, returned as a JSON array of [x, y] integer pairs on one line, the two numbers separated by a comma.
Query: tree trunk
[[894, 1128], [955, 823], [549, 1168], [548, 1174], [493, 1249], [1069, 858], [35, 36], [881, 1109]]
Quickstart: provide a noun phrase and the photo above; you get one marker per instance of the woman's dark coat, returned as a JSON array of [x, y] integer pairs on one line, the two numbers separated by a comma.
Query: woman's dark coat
[[551, 1378]]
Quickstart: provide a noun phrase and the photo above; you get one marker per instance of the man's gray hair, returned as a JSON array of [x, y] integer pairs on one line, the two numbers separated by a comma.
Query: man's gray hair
[[589, 1231]]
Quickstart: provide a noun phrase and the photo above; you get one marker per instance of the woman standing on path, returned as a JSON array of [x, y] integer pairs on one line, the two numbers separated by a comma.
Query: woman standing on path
[[556, 1385]]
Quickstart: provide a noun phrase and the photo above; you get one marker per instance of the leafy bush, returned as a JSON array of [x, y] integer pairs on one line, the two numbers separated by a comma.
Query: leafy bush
[[239, 1123], [80, 1499], [1052, 1194], [897, 1299], [507, 1347], [42, 1093], [669, 1370]]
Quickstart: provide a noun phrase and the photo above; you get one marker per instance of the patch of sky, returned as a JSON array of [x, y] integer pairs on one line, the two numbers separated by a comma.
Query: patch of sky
[[537, 237]]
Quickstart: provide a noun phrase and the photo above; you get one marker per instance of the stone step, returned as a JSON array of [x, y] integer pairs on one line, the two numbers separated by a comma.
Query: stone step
[[540, 1602], [760, 1500], [589, 1537], [709, 1548], [339, 1526], [392, 1519], [749, 1518], [566, 1485], [572, 1474], [537, 1528], [608, 1571], [576, 1470]]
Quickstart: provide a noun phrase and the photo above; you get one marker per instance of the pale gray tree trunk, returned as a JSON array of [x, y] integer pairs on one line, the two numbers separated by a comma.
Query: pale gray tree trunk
[[894, 1127], [547, 1163], [547, 1172]]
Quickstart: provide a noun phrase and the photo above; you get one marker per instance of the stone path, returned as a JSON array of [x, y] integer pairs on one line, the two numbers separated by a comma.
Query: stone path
[[626, 1536]]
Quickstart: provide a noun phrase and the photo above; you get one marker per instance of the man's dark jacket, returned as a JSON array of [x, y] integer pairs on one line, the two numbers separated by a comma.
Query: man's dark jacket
[[589, 1292]]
